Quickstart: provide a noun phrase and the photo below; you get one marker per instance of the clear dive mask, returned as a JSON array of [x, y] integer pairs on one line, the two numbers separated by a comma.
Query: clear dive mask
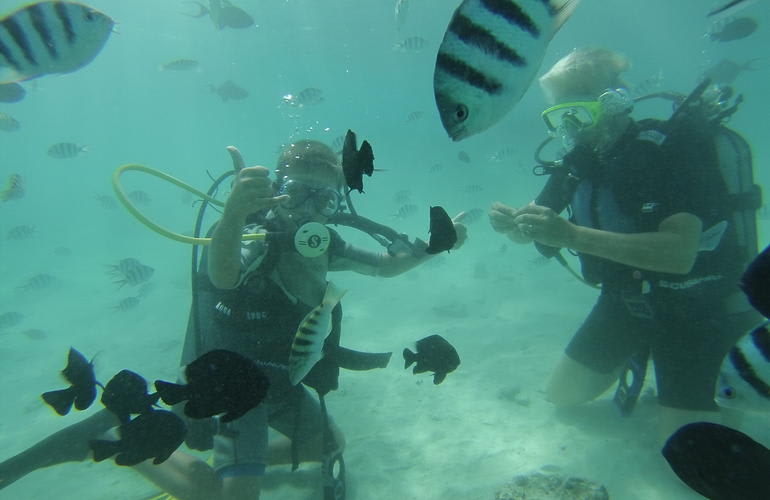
[[326, 201], [568, 119]]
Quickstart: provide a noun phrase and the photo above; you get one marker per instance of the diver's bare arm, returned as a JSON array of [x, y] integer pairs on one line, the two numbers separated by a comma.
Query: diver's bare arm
[[224, 259], [671, 249]]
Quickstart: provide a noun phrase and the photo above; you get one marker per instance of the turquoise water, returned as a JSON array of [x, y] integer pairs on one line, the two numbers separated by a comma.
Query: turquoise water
[[508, 313]]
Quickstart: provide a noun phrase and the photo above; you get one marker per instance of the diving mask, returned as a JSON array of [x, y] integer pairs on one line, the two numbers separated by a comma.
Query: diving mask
[[585, 114], [325, 200]]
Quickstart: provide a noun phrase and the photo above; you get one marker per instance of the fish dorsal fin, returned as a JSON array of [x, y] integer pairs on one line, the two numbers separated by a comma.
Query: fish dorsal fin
[[332, 295], [563, 9]]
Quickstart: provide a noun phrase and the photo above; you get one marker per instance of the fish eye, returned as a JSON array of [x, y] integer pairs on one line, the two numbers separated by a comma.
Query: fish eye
[[461, 112], [728, 393], [89, 15]]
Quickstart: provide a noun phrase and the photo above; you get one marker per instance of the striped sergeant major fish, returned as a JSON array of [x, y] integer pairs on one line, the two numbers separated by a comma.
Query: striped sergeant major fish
[[489, 56], [50, 37], [307, 346], [744, 381]]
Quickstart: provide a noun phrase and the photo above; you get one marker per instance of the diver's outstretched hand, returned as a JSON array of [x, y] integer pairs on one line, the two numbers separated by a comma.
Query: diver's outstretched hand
[[502, 218], [252, 188]]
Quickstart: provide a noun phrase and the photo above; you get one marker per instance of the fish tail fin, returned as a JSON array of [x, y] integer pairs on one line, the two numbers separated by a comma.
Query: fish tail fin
[[103, 449], [61, 401], [564, 9], [409, 358], [171, 394], [333, 295]]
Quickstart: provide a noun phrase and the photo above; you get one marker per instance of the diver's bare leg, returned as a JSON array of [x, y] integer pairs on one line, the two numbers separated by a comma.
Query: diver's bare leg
[[183, 476], [67, 445]]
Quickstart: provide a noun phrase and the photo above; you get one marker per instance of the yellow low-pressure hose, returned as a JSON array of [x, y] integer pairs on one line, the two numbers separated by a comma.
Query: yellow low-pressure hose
[[121, 194]]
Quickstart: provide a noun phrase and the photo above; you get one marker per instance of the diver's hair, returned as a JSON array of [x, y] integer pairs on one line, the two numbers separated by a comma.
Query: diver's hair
[[584, 73], [308, 154]]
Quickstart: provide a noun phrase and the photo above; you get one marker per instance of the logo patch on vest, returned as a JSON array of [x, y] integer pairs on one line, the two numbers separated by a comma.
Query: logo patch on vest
[[651, 135]]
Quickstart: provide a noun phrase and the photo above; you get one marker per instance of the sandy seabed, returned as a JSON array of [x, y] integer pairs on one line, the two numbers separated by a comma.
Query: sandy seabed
[[508, 313]]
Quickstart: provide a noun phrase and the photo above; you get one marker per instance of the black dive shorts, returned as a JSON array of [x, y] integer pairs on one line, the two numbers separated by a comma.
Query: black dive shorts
[[687, 346], [240, 446]]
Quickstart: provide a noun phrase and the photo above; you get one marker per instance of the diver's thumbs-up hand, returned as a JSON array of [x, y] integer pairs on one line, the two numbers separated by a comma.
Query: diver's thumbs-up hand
[[252, 188]]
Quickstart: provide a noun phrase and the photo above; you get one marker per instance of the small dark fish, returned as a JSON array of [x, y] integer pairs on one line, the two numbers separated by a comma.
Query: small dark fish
[[11, 92], [64, 150], [62, 251], [127, 304], [10, 319], [434, 354], [179, 65], [106, 201], [8, 123], [356, 162], [79, 372], [464, 157], [35, 334], [310, 96], [132, 274], [229, 91], [126, 394], [504, 154], [218, 382], [155, 434], [139, 196], [22, 232], [732, 30], [405, 211], [443, 235], [124, 266], [726, 71], [473, 189], [37, 282], [414, 116], [402, 196], [754, 282], [226, 15], [411, 44], [14, 188], [719, 462]]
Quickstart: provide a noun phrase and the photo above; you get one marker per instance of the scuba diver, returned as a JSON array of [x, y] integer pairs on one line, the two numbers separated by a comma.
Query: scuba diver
[[250, 296], [656, 224]]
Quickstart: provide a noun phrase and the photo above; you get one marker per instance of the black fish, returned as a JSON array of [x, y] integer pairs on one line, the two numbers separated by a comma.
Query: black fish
[[229, 91], [732, 30], [718, 462], [433, 354], [443, 235], [220, 381], [356, 162], [126, 394], [224, 14], [11, 92], [79, 372], [754, 282], [156, 434]]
